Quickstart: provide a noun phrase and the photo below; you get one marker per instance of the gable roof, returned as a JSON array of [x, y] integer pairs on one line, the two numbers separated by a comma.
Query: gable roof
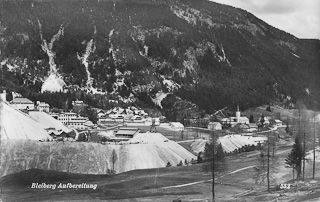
[[20, 100], [176, 124]]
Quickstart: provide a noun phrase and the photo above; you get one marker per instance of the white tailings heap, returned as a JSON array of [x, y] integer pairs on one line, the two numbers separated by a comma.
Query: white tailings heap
[[17, 125], [144, 151], [229, 142], [48, 121]]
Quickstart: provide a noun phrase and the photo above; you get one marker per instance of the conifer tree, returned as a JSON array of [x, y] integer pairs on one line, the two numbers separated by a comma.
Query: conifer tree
[[294, 158], [114, 158]]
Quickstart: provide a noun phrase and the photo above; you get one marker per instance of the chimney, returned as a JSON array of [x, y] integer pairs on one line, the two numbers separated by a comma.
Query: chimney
[[3, 96]]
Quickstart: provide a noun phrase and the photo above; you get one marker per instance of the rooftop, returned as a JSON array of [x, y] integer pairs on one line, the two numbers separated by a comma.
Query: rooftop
[[21, 100]]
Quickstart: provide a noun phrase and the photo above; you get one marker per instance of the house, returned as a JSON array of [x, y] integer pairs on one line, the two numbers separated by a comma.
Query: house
[[176, 125], [103, 119], [88, 124], [119, 118], [43, 107], [22, 104], [101, 113], [137, 118], [266, 120], [252, 127], [78, 106], [215, 126], [127, 132], [152, 121], [278, 122]]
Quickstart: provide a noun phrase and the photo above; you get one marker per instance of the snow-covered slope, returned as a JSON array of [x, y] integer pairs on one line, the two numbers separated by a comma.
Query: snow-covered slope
[[15, 125]]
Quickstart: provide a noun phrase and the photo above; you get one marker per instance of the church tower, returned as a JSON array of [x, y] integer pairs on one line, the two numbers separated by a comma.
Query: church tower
[[238, 114]]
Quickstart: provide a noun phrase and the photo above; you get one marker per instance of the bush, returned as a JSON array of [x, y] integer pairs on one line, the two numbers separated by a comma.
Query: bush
[[186, 162], [168, 164], [180, 163]]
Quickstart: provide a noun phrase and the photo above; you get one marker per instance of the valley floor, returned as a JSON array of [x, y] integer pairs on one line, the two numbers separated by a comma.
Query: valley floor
[[188, 183]]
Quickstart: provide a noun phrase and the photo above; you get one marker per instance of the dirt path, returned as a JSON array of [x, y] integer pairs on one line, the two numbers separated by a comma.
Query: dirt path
[[198, 182]]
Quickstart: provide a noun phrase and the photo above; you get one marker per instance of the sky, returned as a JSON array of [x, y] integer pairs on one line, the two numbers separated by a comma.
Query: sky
[[300, 18]]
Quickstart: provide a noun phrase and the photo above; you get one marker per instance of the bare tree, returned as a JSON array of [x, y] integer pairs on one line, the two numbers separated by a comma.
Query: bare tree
[[266, 162]]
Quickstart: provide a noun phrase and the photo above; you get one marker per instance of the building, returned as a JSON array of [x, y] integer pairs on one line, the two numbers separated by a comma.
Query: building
[[232, 121], [22, 104], [137, 119], [101, 113], [278, 122], [3, 96], [126, 133], [78, 106], [176, 125], [215, 126], [43, 107], [72, 120], [152, 121]]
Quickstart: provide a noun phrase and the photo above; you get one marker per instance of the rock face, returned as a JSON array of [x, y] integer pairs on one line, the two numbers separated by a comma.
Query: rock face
[[88, 158], [199, 51]]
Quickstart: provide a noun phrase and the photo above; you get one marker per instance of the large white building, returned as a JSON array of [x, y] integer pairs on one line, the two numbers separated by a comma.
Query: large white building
[[72, 120], [22, 104]]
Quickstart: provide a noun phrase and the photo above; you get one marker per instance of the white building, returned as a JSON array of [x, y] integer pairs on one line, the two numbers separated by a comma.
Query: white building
[[22, 104], [43, 107], [72, 120], [278, 122], [214, 126], [176, 125]]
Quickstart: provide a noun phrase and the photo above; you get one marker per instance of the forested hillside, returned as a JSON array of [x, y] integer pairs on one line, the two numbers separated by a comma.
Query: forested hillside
[[205, 55]]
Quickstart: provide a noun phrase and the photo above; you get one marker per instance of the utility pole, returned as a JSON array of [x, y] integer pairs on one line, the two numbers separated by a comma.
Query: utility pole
[[268, 172], [273, 143], [304, 153], [314, 146], [213, 194]]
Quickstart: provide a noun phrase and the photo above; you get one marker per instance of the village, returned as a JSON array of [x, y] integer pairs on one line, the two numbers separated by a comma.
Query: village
[[128, 139], [120, 124]]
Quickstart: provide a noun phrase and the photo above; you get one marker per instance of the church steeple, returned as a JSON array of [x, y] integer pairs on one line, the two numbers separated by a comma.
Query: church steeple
[[238, 114]]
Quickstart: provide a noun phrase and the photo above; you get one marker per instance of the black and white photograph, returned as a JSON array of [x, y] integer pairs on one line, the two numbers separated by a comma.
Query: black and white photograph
[[159, 100]]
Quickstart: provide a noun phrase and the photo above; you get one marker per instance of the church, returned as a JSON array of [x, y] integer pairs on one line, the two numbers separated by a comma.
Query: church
[[235, 120]]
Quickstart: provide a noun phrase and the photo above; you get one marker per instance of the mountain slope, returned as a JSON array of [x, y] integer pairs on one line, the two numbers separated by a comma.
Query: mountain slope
[[205, 53]]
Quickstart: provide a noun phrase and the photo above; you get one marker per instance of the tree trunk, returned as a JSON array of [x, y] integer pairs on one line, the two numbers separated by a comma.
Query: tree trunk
[[293, 173], [298, 172]]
